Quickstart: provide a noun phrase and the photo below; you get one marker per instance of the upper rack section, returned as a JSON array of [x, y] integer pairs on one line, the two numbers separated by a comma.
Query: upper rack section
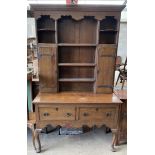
[[69, 32]]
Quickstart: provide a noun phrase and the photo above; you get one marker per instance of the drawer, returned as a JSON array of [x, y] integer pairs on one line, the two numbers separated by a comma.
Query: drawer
[[106, 114], [57, 113]]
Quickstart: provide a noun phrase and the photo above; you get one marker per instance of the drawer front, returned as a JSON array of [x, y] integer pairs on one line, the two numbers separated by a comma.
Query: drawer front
[[106, 114], [57, 113]]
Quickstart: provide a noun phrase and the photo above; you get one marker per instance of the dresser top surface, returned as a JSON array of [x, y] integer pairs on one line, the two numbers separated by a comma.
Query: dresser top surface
[[71, 98]]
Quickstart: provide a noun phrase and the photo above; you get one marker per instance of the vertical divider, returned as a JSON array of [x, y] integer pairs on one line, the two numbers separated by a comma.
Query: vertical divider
[[96, 57], [56, 32], [97, 32], [57, 54]]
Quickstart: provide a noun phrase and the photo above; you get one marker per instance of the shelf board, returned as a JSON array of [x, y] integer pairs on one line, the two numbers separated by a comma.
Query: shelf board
[[108, 30], [74, 44], [46, 29], [76, 80], [77, 64]]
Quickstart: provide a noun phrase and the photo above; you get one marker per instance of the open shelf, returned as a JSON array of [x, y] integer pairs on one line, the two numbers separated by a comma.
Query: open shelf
[[74, 44], [46, 36], [77, 64], [107, 37], [69, 54], [73, 31], [108, 23], [76, 80]]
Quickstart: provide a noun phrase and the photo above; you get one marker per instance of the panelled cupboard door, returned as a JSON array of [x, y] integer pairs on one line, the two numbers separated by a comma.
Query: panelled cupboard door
[[48, 67], [105, 59]]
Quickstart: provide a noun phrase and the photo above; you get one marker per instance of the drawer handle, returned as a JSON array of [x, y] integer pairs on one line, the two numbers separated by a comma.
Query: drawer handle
[[69, 114], [56, 109], [85, 114], [46, 114], [108, 114], [96, 109]]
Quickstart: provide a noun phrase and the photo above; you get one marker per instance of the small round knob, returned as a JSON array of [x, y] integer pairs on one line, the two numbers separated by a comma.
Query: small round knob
[[46, 114], [108, 114], [69, 114], [85, 114]]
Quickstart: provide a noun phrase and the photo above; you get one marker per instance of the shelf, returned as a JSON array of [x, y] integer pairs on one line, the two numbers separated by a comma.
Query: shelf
[[74, 44], [46, 29], [77, 64], [76, 80], [108, 30]]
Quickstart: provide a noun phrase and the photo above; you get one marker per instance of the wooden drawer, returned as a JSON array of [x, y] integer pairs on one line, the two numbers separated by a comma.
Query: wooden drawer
[[107, 114], [57, 113]]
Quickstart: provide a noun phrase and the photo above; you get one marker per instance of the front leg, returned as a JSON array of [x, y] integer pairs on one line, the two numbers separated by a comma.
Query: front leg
[[37, 139], [114, 138]]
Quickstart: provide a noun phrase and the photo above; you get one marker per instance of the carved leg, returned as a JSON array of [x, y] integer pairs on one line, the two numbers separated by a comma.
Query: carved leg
[[37, 139], [114, 139], [31, 126]]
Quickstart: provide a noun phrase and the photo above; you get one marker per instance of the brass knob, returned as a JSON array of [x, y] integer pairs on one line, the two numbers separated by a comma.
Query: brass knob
[[69, 114], [85, 114], [46, 114], [108, 114]]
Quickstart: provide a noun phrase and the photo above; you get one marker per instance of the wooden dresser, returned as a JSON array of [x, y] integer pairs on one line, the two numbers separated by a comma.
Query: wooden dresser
[[77, 48]]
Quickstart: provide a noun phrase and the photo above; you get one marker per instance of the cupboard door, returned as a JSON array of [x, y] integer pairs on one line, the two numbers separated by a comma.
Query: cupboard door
[[106, 55], [48, 68]]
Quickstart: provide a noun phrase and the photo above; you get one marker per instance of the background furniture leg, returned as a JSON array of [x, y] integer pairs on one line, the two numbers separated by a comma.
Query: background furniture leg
[[114, 138], [123, 83], [117, 79]]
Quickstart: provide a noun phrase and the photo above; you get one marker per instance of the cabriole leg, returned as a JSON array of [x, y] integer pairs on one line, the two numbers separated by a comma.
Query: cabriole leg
[[36, 139]]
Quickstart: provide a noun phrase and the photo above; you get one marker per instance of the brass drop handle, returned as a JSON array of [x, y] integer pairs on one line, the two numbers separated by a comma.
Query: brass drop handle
[[46, 114], [69, 114], [85, 114], [108, 114]]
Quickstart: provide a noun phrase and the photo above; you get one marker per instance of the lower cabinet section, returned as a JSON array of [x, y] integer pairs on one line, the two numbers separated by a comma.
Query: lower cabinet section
[[75, 110], [77, 115]]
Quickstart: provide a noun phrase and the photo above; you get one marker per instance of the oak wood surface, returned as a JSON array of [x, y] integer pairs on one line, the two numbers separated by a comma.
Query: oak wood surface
[[48, 68], [76, 97], [85, 38], [105, 68]]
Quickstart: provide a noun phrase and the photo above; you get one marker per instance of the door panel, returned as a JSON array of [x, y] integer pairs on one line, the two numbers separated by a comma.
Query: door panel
[[106, 55], [48, 68]]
